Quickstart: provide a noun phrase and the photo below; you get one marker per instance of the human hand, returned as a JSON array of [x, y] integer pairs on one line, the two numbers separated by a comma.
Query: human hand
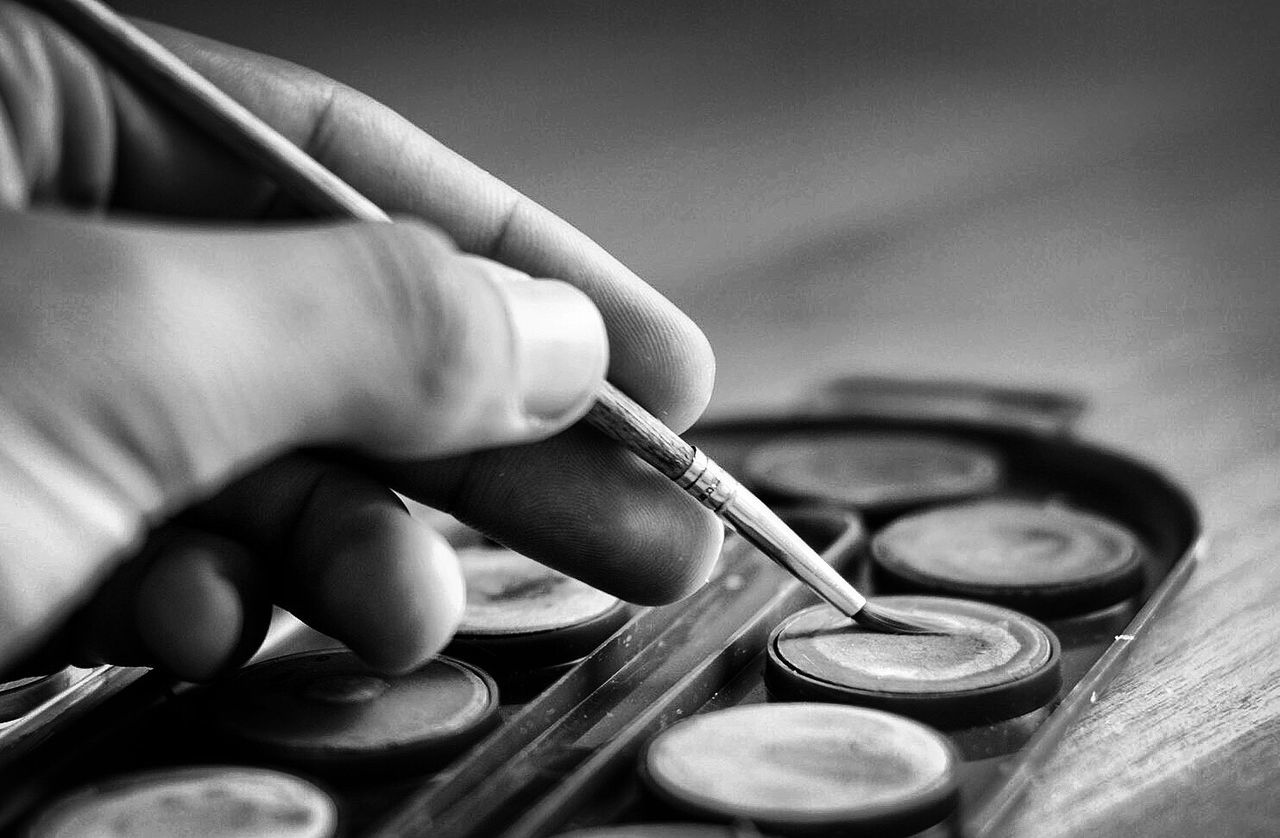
[[202, 418]]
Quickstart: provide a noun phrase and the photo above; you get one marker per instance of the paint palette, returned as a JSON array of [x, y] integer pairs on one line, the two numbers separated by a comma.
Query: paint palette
[[747, 709]]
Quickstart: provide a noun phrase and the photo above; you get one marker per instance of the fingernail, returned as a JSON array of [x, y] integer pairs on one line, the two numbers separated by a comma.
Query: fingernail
[[561, 345]]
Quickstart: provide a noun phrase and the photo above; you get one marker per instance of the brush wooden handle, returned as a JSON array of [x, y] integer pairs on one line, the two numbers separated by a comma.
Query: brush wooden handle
[[617, 416], [620, 418]]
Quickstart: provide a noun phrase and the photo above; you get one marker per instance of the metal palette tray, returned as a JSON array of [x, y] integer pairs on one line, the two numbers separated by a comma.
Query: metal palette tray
[[565, 753]]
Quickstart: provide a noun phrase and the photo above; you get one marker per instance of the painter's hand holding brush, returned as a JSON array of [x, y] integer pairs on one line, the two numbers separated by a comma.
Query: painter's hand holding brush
[[173, 343]]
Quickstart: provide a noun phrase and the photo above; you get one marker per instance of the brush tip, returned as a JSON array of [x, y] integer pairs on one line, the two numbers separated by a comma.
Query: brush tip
[[879, 618]]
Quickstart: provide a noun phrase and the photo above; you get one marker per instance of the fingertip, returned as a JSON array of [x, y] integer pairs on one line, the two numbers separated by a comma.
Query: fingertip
[[394, 595], [659, 356], [675, 383], [189, 618], [582, 504], [198, 613], [677, 546]]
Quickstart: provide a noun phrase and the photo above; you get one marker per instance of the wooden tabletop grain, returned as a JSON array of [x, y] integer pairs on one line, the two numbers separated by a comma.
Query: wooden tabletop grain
[[1079, 195]]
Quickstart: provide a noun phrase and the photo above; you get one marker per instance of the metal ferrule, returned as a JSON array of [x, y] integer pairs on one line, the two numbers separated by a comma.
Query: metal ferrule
[[709, 484]]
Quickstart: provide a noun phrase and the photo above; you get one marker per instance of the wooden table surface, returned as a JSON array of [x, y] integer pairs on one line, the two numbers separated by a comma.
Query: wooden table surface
[[1084, 195]]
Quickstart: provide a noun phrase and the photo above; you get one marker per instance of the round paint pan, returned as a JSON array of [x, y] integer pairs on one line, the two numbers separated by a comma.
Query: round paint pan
[[1042, 558], [874, 472], [986, 664], [521, 614], [805, 769], [327, 710], [212, 801]]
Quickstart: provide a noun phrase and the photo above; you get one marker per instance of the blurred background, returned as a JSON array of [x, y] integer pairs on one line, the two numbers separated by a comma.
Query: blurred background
[[1037, 192]]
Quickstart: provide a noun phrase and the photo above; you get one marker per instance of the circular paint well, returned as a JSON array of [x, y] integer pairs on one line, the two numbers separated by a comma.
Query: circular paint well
[[1043, 558], [874, 471], [508, 593], [327, 709], [985, 663], [522, 616], [206, 801], [796, 766]]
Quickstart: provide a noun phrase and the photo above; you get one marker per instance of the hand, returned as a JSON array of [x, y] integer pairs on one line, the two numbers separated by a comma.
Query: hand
[[202, 404]]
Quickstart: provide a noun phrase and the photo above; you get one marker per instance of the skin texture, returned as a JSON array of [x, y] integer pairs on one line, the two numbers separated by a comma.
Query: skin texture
[[205, 395]]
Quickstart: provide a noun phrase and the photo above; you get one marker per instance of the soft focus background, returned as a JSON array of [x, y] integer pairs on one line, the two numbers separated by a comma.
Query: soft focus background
[[1105, 171], [1078, 194]]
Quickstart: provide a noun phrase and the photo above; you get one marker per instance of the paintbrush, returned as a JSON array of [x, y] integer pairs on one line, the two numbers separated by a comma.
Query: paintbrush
[[614, 413]]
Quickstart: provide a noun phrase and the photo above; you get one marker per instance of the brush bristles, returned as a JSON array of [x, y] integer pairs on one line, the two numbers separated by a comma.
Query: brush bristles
[[879, 618]]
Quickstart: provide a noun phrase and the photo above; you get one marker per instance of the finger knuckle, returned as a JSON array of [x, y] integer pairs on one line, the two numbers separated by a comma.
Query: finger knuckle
[[433, 310]]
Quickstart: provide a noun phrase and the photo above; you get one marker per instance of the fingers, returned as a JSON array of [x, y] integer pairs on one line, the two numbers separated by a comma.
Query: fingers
[[644, 540], [347, 558], [660, 357], [145, 367], [387, 339], [384, 339], [212, 351], [203, 608], [337, 549], [89, 137], [193, 604], [581, 504]]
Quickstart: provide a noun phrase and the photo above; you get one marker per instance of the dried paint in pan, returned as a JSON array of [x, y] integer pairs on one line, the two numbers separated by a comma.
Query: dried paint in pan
[[212, 801], [520, 611], [805, 767], [991, 664], [874, 471], [328, 710], [1045, 559]]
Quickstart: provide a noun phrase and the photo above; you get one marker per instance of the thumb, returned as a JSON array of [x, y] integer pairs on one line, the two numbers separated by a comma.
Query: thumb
[[378, 336]]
